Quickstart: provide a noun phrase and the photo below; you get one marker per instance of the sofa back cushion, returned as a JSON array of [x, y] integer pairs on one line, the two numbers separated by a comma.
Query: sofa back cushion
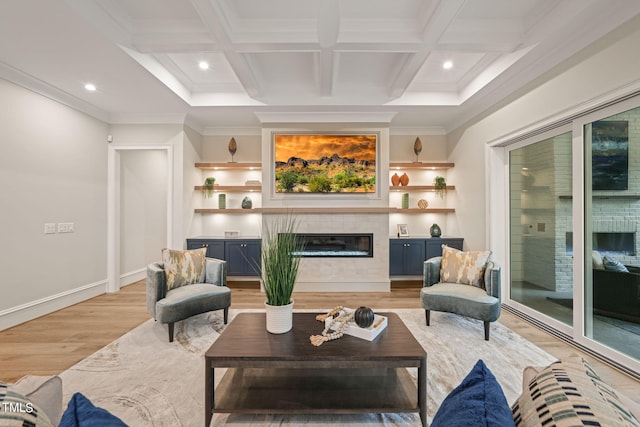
[[570, 393], [463, 267], [183, 267]]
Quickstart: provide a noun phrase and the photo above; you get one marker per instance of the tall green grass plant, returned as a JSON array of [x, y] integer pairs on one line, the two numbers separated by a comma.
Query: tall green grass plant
[[280, 266]]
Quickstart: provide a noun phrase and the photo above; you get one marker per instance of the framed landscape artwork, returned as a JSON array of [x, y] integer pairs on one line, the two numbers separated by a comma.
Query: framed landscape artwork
[[610, 155], [325, 163]]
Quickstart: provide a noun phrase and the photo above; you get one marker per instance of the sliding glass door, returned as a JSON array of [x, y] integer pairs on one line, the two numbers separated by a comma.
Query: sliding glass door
[[541, 267], [574, 230], [612, 218]]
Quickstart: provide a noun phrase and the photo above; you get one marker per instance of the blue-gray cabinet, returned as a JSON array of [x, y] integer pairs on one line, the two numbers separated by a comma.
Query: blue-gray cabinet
[[215, 248], [243, 256], [407, 255]]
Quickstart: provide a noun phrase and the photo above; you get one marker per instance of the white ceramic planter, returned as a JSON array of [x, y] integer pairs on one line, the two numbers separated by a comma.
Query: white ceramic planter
[[279, 318]]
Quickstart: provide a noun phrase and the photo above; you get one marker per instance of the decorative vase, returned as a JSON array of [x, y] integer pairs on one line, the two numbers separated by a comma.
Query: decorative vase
[[364, 317], [417, 147], [233, 147], [247, 203], [405, 201], [395, 179], [222, 201], [279, 318], [435, 230], [404, 179]]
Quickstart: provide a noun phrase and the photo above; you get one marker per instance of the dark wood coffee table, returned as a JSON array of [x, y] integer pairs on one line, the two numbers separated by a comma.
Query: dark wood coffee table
[[284, 373]]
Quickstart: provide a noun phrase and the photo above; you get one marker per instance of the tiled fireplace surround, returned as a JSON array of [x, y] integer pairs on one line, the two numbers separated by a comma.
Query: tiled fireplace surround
[[345, 274]]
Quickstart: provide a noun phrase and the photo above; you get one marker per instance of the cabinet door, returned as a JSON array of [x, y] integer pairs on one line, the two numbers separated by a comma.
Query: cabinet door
[[434, 245], [414, 251], [396, 257], [215, 248], [406, 257], [242, 257]]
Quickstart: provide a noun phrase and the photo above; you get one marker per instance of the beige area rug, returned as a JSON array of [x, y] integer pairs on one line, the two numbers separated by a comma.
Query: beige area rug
[[147, 381]]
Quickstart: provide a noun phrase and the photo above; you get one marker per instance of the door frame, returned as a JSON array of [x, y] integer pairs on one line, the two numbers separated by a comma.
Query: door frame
[[113, 206]]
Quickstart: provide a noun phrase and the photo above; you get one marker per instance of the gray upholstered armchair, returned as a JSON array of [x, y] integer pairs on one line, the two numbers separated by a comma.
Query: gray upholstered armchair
[[170, 306], [467, 300]]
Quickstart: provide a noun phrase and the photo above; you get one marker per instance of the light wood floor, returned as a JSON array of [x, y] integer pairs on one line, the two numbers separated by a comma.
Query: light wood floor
[[55, 342]]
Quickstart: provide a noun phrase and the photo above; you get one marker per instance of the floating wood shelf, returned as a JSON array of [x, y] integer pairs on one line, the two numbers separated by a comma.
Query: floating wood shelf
[[421, 211], [227, 211], [419, 165], [233, 188], [418, 187], [229, 166], [336, 210]]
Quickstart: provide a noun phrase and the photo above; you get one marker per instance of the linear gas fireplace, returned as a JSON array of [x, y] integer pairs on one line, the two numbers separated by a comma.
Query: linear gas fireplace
[[608, 243], [336, 245]]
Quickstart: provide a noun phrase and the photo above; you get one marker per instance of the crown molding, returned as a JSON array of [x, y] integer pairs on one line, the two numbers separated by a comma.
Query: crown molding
[[38, 86]]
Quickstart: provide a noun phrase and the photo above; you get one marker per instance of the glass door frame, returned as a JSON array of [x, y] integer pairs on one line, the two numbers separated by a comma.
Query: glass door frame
[[498, 212], [582, 213], [561, 327]]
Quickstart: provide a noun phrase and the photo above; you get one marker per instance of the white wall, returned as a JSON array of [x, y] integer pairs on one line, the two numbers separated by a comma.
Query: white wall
[[143, 210], [607, 67], [153, 136], [53, 169], [434, 149], [215, 149], [191, 153]]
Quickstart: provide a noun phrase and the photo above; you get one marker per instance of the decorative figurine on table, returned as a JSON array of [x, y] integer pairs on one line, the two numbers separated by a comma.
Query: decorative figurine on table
[[362, 316]]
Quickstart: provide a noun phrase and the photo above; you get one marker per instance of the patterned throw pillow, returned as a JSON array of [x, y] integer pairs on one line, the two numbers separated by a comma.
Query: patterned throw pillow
[[463, 267], [18, 411], [613, 264], [570, 393], [183, 267]]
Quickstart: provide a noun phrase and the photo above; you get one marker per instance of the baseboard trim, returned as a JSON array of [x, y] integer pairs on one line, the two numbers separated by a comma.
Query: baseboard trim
[[22, 313], [133, 276]]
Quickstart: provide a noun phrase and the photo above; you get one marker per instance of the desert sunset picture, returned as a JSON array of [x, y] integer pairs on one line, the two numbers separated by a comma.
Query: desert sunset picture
[[325, 163]]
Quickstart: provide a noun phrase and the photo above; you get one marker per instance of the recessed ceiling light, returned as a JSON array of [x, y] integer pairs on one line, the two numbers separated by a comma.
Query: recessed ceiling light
[[204, 65], [90, 87], [447, 65]]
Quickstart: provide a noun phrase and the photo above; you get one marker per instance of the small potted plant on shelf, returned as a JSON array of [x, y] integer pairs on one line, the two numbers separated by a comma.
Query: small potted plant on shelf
[[280, 267], [441, 185], [209, 182]]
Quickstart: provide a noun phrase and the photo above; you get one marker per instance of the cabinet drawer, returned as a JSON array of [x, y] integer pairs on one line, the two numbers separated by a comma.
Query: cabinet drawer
[[215, 248]]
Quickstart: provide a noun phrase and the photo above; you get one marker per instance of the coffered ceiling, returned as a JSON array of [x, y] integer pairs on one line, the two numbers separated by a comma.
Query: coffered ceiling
[[294, 56]]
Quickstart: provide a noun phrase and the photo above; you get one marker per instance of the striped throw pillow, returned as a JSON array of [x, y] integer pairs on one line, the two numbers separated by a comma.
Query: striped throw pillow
[[570, 393]]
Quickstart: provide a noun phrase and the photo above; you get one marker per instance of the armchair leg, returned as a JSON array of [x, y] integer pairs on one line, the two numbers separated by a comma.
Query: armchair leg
[[170, 332], [427, 315], [226, 315], [486, 330]]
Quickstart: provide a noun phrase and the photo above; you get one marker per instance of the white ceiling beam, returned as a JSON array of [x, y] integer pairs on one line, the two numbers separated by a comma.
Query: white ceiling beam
[[326, 71], [328, 33], [442, 17], [213, 16]]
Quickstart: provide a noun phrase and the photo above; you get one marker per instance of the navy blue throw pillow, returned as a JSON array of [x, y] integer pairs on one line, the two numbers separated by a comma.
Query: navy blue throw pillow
[[478, 401], [82, 413]]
